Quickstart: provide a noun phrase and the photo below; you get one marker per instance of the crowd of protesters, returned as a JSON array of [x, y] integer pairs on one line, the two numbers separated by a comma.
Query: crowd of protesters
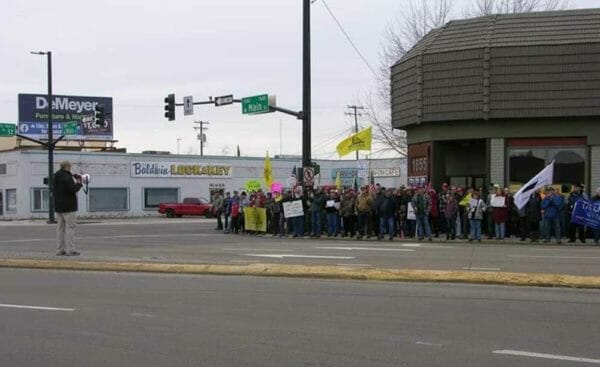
[[412, 213]]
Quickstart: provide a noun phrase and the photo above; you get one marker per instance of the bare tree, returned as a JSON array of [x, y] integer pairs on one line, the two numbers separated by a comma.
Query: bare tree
[[489, 7], [409, 26], [402, 33]]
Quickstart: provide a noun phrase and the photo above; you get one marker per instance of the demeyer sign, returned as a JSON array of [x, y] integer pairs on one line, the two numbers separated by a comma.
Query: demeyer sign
[[33, 116], [167, 169]]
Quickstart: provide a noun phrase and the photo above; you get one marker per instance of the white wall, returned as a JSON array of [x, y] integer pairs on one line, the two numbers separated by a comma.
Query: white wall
[[28, 169]]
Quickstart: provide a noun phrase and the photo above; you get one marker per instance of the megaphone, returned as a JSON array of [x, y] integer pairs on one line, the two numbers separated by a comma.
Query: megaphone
[[85, 180]]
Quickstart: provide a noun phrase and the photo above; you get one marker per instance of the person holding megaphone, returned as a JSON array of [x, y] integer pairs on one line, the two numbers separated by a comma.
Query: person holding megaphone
[[66, 186]]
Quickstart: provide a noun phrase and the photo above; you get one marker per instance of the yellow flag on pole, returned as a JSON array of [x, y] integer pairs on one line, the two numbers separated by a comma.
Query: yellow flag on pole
[[359, 141], [338, 181], [268, 172]]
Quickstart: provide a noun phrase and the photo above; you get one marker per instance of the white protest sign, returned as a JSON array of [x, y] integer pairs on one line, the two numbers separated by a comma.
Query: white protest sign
[[293, 209], [410, 212], [498, 201]]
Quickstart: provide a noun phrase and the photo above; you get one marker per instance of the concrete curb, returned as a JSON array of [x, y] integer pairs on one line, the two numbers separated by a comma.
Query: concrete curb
[[319, 272]]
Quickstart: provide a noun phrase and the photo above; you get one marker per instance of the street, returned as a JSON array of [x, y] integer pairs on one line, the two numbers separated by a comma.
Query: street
[[196, 241], [55, 318]]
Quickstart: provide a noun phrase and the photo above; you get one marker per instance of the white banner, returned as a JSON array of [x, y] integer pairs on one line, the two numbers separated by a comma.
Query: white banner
[[169, 169], [293, 209]]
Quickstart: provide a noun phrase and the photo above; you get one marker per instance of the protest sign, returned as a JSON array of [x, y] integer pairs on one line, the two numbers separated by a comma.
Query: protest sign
[[293, 209], [498, 201], [586, 213], [410, 212], [255, 219]]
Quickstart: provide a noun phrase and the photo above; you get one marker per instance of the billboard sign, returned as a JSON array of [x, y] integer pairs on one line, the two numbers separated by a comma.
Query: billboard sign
[[33, 116]]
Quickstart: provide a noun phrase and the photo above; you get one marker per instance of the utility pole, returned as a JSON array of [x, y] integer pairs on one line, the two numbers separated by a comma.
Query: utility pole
[[51, 142], [201, 135], [356, 114], [306, 87]]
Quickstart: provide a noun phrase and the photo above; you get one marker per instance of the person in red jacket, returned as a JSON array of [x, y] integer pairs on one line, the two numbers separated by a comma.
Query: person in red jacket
[[500, 213]]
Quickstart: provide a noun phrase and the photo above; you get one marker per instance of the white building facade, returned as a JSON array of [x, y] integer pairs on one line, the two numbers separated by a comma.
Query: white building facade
[[132, 185]]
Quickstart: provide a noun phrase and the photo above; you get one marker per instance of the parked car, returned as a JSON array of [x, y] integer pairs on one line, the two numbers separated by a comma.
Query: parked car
[[189, 206]]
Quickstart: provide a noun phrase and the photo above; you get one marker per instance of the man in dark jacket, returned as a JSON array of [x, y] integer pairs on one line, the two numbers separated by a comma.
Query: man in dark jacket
[[387, 215], [534, 216], [574, 228], [66, 186]]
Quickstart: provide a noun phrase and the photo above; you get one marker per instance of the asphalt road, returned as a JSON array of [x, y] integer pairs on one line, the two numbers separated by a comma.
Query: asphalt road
[[54, 318], [196, 241]]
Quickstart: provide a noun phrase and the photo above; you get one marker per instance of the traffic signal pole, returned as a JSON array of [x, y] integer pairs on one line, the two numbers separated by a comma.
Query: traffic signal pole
[[51, 218], [306, 87]]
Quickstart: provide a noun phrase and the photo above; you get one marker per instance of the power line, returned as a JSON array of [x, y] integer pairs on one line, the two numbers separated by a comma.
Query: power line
[[349, 39]]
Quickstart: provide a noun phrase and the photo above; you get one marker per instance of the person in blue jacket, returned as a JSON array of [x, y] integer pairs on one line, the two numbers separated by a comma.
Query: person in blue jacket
[[552, 205]]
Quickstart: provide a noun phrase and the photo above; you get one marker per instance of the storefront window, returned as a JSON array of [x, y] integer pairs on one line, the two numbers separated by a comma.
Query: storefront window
[[524, 163], [108, 199], [40, 200], [155, 196], [11, 200]]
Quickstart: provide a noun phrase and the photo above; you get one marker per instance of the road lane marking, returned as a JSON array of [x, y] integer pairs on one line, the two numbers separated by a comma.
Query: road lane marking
[[84, 238], [41, 308], [139, 314], [482, 269], [521, 353], [244, 261], [364, 248], [430, 344], [253, 249], [553, 257], [283, 256], [357, 265]]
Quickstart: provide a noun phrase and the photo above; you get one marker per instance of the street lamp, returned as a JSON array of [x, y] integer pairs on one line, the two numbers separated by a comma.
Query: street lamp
[[51, 218]]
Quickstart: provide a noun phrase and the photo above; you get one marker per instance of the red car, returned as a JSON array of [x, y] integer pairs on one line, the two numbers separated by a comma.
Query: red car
[[190, 206]]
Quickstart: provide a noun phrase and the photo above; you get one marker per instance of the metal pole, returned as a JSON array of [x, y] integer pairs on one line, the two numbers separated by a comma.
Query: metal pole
[[306, 87], [51, 218], [356, 127], [201, 139], [356, 114]]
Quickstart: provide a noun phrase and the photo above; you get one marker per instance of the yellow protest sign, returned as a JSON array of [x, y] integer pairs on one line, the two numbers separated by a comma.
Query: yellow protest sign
[[255, 219]]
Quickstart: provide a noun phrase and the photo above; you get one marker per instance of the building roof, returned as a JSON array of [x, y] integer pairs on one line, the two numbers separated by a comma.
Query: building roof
[[530, 65], [503, 30]]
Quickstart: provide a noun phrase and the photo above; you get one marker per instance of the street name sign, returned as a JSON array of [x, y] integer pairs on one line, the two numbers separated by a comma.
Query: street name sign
[[255, 104], [7, 130], [188, 106], [224, 100], [69, 128]]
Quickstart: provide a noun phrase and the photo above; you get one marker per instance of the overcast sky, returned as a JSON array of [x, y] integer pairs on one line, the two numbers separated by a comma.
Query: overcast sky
[[137, 51]]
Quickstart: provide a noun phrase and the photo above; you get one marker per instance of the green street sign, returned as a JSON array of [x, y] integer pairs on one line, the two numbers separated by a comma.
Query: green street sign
[[255, 104], [69, 128], [7, 130]]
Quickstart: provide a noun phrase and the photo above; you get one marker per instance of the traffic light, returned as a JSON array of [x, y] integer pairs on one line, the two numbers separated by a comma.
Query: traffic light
[[170, 107], [99, 114]]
